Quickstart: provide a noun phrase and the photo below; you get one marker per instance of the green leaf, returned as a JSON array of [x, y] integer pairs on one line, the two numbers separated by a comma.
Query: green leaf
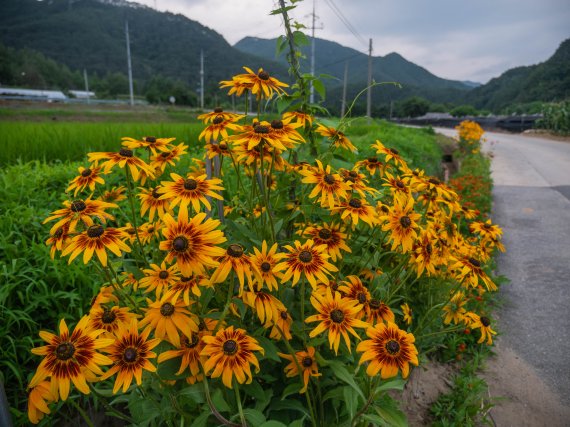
[[202, 420], [393, 384], [342, 374], [320, 88], [300, 38], [283, 102], [335, 394], [392, 416], [281, 10], [193, 392], [254, 390], [298, 423], [270, 349], [219, 402], [281, 45], [289, 404], [350, 401], [291, 389], [254, 417], [167, 370]]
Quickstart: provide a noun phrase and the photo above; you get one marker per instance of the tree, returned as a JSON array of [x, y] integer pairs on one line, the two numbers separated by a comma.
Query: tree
[[413, 107]]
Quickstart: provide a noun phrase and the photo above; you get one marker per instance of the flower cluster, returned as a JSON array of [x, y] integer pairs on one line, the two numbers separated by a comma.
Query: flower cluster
[[470, 136], [252, 251]]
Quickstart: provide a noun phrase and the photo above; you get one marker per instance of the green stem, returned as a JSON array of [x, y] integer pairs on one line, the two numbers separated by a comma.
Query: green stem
[[215, 412], [108, 406], [81, 412], [240, 409], [130, 196], [228, 303]]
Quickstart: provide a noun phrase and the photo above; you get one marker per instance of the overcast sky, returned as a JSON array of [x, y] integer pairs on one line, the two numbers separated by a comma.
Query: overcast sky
[[454, 39]]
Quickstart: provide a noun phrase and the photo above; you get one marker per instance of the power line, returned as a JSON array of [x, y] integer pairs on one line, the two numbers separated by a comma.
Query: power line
[[345, 21]]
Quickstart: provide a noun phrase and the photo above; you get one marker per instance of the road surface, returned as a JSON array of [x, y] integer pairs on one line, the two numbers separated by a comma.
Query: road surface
[[532, 204]]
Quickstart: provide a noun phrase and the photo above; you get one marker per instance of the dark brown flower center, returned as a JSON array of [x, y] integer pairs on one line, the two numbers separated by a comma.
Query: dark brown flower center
[[78, 206], [190, 184], [230, 347], [277, 124], [263, 75], [307, 361], [374, 304], [95, 231], [305, 256], [261, 129], [86, 172], [165, 154], [434, 181], [108, 316], [400, 184], [361, 297], [474, 262], [201, 325], [218, 110], [333, 285], [392, 347], [265, 267], [130, 355], [124, 152], [235, 250], [223, 146], [217, 120], [180, 244], [284, 315], [355, 203], [65, 351], [372, 160], [405, 221], [155, 193], [163, 274], [394, 151], [191, 343], [167, 309], [150, 139], [429, 249], [485, 321], [329, 179], [58, 233], [325, 234], [337, 316]]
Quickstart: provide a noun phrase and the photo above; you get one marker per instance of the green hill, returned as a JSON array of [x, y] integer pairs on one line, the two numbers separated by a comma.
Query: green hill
[[90, 34], [548, 81]]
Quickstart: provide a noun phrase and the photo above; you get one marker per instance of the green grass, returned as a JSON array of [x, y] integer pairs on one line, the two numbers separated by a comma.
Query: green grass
[[60, 142]]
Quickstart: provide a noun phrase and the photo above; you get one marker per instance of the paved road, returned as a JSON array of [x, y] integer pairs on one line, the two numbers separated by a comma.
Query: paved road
[[532, 204]]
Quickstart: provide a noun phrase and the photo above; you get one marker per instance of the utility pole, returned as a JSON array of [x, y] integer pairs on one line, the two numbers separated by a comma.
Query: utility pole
[[369, 93], [202, 79], [312, 93], [344, 84], [132, 98], [86, 84]]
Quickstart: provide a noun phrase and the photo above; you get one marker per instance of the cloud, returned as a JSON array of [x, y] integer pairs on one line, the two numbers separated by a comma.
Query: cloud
[[453, 39]]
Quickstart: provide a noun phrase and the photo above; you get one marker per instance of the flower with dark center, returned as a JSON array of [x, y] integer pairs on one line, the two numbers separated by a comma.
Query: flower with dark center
[[223, 146], [263, 75], [230, 347], [218, 110], [429, 248], [180, 244], [405, 221], [77, 206], [130, 355], [372, 160], [191, 343], [108, 316], [394, 151], [325, 234], [485, 321], [65, 351], [167, 309], [261, 129], [150, 139], [277, 124], [190, 184], [374, 304], [337, 316], [86, 172], [434, 181], [353, 174], [329, 179], [155, 193], [400, 184], [235, 250], [474, 262], [58, 233], [217, 120], [229, 354], [163, 274], [284, 315], [355, 203], [388, 351], [305, 256], [361, 297], [165, 154], [201, 325], [307, 361], [95, 231], [124, 152], [265, 267], [392, 347]]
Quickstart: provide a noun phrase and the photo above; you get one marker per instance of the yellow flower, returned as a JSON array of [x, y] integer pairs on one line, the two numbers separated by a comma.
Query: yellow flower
[[329, 185], [88, 177], [192, 189], [96, 239], [482, 323], [388, 351], [338, 138], [235, 260], [401, 221], [407, 311], [306, 361]]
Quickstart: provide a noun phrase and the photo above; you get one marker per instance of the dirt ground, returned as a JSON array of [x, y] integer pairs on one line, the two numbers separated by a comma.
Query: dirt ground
[[521, 397]]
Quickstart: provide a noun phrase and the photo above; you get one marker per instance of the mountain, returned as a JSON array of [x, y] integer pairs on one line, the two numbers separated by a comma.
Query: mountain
[[90, 34], [548, 81], [330, 58], [469, 83]]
